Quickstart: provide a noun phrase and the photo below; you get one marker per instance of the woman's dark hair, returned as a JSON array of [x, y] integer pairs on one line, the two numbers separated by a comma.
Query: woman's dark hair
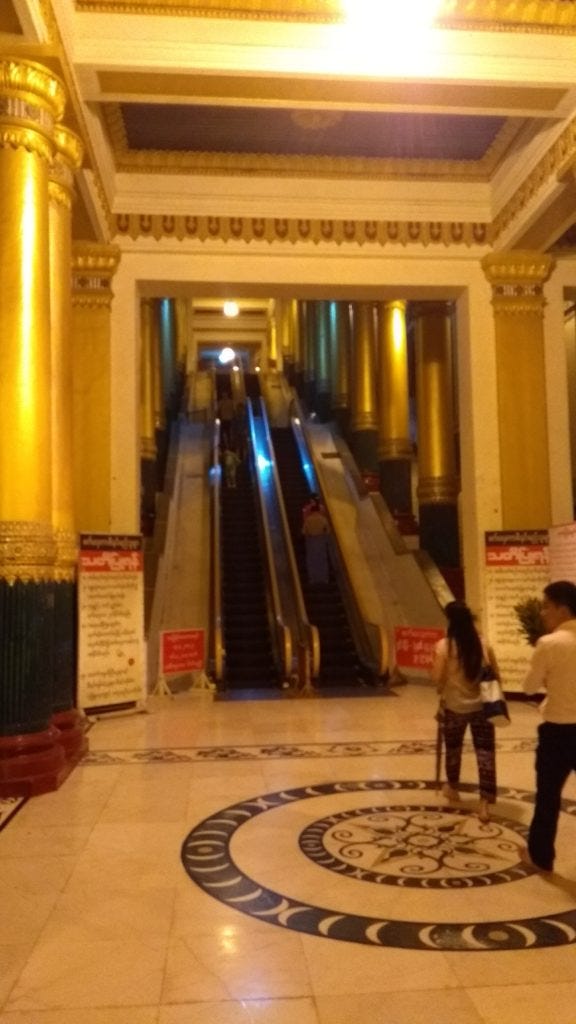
[[463, 632]]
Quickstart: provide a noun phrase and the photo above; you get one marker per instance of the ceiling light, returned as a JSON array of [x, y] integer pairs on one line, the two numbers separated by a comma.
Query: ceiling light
[[227, 355], [230, 308]]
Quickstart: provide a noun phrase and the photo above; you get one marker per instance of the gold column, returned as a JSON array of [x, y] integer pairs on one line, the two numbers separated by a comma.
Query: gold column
[[322, 360], [517, 280], [93, 267], [340, 362], [68, 157], [394, 445], [148, 445], [437, 472], [308, 334], [182, 331], [31, 757], [272, 337], [157, 371], [363, 408]]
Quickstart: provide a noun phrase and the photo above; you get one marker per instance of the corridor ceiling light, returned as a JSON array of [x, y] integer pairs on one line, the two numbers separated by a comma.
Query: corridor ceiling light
[[227, 355], [387, 31], [373, 16], [230, 308]]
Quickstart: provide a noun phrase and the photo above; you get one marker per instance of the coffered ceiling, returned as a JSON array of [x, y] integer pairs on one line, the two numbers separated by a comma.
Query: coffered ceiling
[[277, 109]]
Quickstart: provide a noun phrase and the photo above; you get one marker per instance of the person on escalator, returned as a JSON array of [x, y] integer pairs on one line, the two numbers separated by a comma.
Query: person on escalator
[[312, 505], [316, 536], [226, 415], [231, 461]]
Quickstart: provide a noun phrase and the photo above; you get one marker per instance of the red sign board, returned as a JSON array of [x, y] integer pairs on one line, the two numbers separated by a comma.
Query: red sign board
[[414, 646], [182, 650]]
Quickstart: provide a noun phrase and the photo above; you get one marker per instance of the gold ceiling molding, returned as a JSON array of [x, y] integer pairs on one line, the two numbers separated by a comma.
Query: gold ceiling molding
[[152, 161], [498, 15], [553, 163], [293, 231]]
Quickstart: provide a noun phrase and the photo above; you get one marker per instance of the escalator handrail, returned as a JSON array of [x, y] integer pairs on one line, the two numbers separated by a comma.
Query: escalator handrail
[[370, 638], [309, 636], [218, 650], [283, 634]]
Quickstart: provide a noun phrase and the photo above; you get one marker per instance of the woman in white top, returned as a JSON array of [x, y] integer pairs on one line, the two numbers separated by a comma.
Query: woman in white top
[[457, 668]]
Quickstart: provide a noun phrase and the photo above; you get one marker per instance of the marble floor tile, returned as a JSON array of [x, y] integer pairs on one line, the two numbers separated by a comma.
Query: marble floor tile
[[439, 1006], [108, 1015], [235, 961], [101, 924], [246, 1011], [553, 1003]]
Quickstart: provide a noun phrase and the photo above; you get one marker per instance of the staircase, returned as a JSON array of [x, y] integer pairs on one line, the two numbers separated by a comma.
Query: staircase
[[339, 664], [247, 639]]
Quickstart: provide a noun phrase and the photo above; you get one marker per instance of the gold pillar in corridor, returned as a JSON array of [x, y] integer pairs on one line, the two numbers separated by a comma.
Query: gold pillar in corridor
[[93, 267], [363, 411], [394, 445], [517, 280], [31, 757], [67, 159], [437, 471], [340, 346], [322, 359], [148, 448]]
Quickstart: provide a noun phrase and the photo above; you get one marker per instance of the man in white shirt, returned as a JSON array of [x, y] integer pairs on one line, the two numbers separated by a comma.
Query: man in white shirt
[[553, 668]]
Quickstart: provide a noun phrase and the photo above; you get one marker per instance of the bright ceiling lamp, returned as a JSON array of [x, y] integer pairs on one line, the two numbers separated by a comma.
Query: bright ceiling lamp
[[388, 24], [230, 308], [227, 355]]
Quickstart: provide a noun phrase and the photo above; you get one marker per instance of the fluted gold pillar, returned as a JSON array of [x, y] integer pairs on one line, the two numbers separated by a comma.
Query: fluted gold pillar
[[67, 158], [31, 758], [272, 345], [517, 280], [308, 325], [363, 408], [93, 268], [322, 346], [437, 470], [394, 445], [148, 449], [340, 346]]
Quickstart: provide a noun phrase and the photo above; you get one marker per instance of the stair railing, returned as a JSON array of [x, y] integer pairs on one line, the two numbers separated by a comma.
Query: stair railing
[[283, 646], [217, 650], [308, 636], [370, 638]]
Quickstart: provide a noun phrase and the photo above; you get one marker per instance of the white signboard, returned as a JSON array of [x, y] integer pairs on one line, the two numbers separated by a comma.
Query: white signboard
[[111, 621], [516, 569], [563, 552]]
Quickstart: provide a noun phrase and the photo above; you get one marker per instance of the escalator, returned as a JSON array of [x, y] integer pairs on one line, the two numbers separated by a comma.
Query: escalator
[[339, 664], [250, 662]]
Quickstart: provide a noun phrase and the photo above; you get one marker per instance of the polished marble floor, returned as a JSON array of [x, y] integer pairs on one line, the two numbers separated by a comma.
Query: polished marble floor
[[283, 862]]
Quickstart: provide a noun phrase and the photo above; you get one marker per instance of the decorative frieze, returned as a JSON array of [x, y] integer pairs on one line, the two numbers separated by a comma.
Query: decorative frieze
[[93, 267], [271, 229], [27, 552]]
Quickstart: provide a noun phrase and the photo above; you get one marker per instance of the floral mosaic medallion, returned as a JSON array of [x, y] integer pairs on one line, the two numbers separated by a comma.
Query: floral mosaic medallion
[[406, 839], [417, 846]]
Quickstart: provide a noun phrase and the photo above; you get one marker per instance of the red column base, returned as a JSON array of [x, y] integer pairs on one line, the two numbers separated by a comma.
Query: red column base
[[72, 727], [32, 763]]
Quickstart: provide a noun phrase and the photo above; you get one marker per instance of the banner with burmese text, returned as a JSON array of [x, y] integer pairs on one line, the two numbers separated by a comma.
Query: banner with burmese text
[[111, 670], [516, 568]]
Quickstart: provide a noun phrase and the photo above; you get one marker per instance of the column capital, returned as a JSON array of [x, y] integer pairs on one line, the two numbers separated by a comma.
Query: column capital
[[68, 155], [32, 101], [517, 278], [93, 267]]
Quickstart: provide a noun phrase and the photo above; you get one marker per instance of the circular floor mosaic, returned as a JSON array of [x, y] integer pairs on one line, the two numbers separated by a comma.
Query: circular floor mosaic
[[412, 844]]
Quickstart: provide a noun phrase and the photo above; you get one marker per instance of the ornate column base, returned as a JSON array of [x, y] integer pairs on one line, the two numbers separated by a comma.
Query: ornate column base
[[32, 763], [396, 485], [363, 444], [71, 726], [439, 534]]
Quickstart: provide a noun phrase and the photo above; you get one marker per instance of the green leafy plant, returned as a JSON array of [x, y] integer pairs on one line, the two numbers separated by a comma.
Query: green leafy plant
[[531, 625]]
